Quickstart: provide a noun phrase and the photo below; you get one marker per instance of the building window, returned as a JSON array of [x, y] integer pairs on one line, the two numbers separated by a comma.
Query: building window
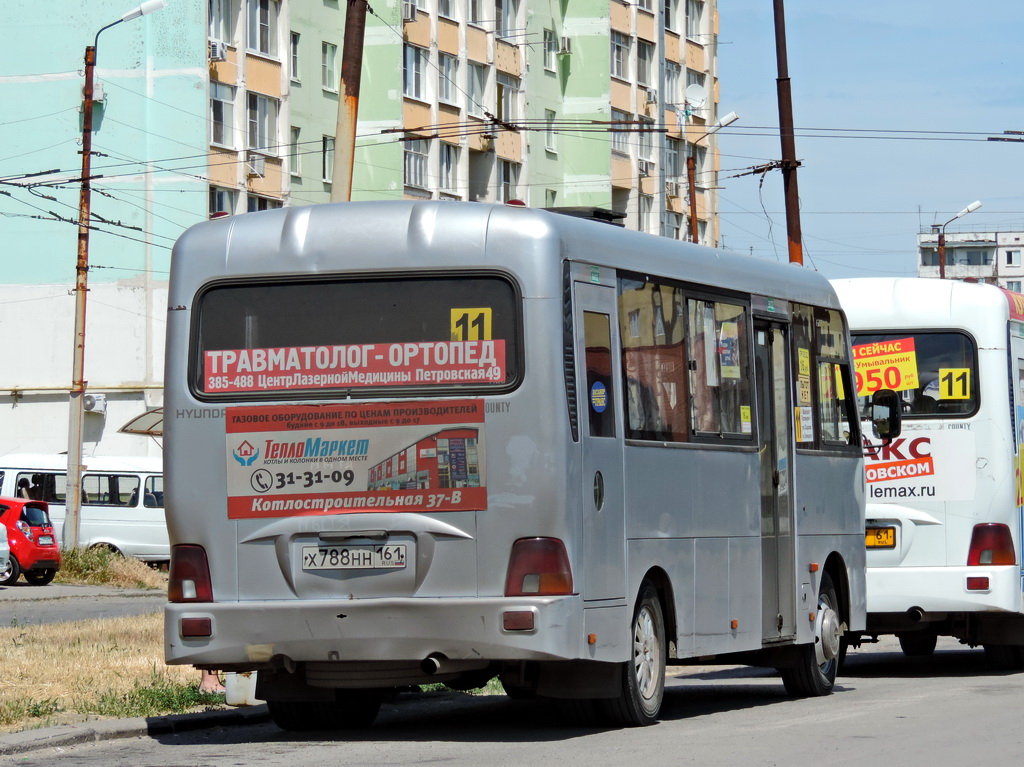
[[475, 11], [222, 115], [620, 132], [645, 62], [448, 78], [413, 84], [328, 66], [550, 195], [670, 8], [645, 205], [1013, 258], [262, 119], [646, 5], [549, 130], [508, 180], [446, 8], [646, 139], [222, 200], [219, 16], [673, 225], [550, 50], [694, 18], [294, 153], [673, 158], [448, 167], [477, 90], [673, 72], [507, 13], [327, 158], [262, 15], [620, 56], [255, 203], [1013, 285], [508, 97], [293, 58], [416, 151]]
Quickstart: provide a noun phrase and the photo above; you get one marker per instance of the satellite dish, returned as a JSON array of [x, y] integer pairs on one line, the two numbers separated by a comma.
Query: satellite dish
[[696, 96]]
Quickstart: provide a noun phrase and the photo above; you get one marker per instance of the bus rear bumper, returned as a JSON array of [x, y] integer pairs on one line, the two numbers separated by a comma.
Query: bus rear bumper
[[269, 634], [933, 590]]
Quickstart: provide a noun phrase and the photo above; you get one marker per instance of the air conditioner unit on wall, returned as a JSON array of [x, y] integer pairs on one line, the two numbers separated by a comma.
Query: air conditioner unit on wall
[[408, 10], [94, 403], [257, 165], [646, 167], [218, 50], [565, 46], [652, 96]]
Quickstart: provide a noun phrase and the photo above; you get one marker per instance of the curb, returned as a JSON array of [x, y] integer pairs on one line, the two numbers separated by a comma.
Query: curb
[[113, 729]]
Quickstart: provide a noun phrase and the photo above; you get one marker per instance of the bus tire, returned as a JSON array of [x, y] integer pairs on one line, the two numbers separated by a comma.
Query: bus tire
[[350, 709], [1005, 657], [643, 676], [918, 644], [814, 673]]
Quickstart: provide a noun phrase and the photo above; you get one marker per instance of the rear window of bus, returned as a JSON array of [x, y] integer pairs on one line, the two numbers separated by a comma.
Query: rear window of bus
[[371, 335]]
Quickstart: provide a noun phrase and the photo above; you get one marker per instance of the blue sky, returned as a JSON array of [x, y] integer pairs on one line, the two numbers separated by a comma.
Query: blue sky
[[870, 69]]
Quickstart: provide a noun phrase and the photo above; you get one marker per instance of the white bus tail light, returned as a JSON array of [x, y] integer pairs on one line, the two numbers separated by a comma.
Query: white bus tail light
[[190, 575], [538, 567], [991, 544]]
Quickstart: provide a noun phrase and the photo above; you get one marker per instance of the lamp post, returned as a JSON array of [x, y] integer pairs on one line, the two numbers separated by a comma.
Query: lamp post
[[74, 482], [691, 169], [942, 236]]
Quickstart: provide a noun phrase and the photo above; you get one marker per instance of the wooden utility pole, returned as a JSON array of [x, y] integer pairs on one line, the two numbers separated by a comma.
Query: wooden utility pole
[[348, 101], [789, 161]]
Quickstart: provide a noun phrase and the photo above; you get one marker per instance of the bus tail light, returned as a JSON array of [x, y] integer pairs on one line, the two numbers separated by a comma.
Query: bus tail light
[[190, 575], [991, 544], [538, 567]]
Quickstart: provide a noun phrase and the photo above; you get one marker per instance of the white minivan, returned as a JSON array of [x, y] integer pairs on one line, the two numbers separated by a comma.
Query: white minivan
[[122, 499]]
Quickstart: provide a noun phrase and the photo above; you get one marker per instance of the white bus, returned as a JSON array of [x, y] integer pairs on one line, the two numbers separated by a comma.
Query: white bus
[[122, 499], [944, 501], [431, 441]]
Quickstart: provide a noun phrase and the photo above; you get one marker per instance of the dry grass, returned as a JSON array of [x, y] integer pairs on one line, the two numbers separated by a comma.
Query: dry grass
[[99, 567], [65, 672]]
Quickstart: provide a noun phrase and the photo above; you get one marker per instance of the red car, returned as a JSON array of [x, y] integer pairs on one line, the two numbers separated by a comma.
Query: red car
[[34, 550]]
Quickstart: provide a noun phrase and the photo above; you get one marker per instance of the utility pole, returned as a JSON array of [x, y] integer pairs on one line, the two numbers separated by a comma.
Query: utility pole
[[348, 101], [789, 161]]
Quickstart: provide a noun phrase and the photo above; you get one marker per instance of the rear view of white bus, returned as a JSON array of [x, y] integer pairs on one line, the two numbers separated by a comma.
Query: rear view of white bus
[[943, 531], [415, 442]]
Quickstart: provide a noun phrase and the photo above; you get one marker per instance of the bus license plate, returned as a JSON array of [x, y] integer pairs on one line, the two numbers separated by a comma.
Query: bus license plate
[[880, 537], [375, 557]]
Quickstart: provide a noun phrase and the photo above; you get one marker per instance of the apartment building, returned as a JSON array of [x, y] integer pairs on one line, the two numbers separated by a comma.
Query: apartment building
[[985, 256]]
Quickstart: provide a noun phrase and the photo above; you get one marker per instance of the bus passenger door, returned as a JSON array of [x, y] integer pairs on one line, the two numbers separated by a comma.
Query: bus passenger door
[[778, 614], [602, 565]]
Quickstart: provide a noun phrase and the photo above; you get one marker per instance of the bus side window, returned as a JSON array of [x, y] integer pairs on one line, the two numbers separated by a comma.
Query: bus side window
[[719, 368], [597, 337]]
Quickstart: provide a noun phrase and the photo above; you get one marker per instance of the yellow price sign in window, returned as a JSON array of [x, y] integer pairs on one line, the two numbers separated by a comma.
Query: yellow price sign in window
[[954, 383], [885, 365], [471, 324]]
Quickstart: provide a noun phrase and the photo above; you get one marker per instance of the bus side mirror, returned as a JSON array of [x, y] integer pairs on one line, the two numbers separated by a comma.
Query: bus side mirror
[[886, 414]]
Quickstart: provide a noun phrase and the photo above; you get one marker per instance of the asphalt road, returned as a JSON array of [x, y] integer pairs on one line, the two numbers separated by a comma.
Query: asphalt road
[[22, 604]]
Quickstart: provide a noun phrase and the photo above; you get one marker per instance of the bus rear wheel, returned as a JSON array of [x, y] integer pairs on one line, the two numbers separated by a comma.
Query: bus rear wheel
[[918, 644], [350, 709], [1005, 657], [814, 673], [643, 677]]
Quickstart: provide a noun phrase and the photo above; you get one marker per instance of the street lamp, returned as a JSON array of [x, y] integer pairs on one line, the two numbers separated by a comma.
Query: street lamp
[[73, 497], [691, 169], [942, 236]]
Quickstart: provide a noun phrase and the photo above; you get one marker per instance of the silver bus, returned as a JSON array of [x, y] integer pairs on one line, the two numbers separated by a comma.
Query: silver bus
[[416, 441]]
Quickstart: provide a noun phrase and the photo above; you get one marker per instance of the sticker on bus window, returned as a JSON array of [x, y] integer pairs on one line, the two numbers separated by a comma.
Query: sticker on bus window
[[803, 419], [803, 389], [306, 460], [804, 359], [471, 324], [885, 365], [745, 423], [954, 383], [729, 350], [359, 365], [599, 397]]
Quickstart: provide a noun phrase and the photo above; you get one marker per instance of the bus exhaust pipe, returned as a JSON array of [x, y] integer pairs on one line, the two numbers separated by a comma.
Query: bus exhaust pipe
[[916, 614], [432, 664]]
